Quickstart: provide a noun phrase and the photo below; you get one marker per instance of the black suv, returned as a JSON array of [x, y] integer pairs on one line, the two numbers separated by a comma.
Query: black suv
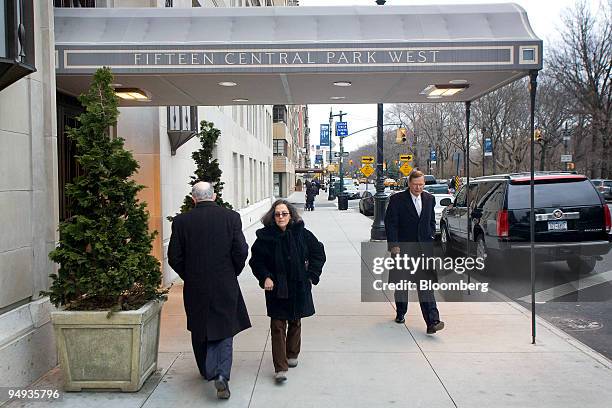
[[572, 219]]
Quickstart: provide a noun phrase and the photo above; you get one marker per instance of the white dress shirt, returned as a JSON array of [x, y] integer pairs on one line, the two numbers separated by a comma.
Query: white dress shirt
[[417, 203]]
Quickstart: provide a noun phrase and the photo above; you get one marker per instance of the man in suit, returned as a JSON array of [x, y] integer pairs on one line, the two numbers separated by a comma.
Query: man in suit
[[410, 222], [208, 251]]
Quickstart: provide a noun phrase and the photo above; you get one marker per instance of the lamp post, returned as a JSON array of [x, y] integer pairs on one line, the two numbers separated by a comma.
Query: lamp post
[[330, 195], [378, 232]]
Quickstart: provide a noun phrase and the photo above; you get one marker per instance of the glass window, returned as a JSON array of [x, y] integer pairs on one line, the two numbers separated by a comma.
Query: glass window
[[279, 147], [460, 199], [279, 113], [559, 194]]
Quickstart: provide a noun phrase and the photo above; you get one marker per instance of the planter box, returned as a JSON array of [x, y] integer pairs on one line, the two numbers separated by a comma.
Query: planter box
[[100, 353]]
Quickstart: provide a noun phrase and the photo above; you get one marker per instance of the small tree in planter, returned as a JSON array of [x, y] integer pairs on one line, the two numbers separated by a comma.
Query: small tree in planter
[[207, 168], [104, 257]]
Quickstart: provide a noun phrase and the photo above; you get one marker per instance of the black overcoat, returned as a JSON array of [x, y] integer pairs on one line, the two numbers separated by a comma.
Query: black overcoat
[[294, 261], [208, 250], [414, 234]]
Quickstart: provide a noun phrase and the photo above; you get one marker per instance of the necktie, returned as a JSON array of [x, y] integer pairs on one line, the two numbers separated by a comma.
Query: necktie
[[417, 204]]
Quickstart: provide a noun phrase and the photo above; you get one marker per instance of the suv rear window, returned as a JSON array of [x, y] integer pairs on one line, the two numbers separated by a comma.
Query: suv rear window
[[560, 193], [429, 179]]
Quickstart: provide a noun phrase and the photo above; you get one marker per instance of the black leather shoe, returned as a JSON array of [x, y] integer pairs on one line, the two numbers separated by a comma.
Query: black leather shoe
[[435, 327], [399, 319], [222, 386]]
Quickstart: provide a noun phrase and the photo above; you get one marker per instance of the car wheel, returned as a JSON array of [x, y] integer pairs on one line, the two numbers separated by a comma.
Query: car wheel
[[445, 244], [582, 265]]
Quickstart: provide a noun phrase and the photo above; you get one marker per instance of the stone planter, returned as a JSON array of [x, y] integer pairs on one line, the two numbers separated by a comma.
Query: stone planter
[[101, 353]]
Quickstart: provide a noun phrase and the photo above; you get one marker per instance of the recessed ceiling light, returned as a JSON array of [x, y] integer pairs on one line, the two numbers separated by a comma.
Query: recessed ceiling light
[[132, 94], [240, 100], [337, 98], [227, 83], [343, 83], [444, 89], [458, 81]]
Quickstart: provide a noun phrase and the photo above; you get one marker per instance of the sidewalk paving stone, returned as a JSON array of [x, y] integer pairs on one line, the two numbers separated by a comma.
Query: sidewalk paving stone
[[355, 355]]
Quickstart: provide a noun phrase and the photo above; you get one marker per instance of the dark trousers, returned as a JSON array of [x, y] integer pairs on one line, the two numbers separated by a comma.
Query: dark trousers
[[213, 357], [286, 342], [427, 300]]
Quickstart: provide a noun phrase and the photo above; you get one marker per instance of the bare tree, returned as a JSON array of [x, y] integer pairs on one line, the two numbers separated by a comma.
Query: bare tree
[[582, 64]]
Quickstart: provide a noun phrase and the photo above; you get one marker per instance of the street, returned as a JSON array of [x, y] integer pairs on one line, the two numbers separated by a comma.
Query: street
[[579, 305]]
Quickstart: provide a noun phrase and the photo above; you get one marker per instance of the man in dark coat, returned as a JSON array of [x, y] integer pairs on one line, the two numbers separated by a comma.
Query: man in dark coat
[[208, 251], [410, 223]]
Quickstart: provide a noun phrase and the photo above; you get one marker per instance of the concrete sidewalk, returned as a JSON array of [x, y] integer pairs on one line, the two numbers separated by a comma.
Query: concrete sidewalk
[[355, 355]]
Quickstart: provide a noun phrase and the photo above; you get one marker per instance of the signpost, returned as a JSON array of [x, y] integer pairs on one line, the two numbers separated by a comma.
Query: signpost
[[344, 154], [367, 170], [367, 159], [324, 134], [566, 158], [405, 157], [433, 157], [341, 129], [488, 147], [405, 169]]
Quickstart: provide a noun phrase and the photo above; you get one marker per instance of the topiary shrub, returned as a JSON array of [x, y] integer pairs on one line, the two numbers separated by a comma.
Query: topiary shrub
[[104, 251], [207, 168]]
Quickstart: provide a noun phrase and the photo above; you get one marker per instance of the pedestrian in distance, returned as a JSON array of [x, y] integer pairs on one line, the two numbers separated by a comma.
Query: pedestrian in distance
[[287, 259], [208, 251], [311, 193], [411, 224]]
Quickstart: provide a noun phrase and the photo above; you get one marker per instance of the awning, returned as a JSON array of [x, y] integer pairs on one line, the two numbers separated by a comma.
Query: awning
[[294, 55]]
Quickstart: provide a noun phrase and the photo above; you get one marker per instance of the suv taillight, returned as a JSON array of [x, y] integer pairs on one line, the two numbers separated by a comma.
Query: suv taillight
[[607, 218], [502, 223]]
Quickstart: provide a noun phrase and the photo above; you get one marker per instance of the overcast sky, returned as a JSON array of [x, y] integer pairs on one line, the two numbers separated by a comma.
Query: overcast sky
[[544, 17]]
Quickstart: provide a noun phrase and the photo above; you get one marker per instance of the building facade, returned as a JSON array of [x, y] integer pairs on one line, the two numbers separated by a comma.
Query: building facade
[[37, 160], [290, 147]]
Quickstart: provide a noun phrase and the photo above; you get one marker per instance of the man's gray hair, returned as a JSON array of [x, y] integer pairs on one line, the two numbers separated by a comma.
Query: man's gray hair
[[202, 191]]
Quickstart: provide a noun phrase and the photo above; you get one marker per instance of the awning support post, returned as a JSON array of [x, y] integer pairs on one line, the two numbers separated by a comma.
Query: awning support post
[[533, 84]]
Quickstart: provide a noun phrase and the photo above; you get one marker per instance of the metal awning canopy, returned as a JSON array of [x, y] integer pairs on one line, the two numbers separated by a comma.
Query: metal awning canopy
[[293, 55]]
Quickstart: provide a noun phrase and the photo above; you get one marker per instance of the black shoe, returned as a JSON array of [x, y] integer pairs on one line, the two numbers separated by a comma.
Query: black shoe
[[222, 386], [399, 319], [435, 327]]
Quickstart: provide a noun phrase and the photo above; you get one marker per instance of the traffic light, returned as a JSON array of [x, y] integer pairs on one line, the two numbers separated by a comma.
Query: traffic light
[[537, 135], [351, 162], [400, 135]]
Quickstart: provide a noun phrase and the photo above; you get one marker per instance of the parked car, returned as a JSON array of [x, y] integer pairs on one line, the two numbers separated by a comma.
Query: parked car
[[442, 201], [604, 187], [568, 209], [366, 203], [349, 188], [429, 179], [437, 188]]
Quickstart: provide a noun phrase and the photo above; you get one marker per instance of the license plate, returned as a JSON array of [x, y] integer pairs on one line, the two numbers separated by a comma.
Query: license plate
[[557, 225]]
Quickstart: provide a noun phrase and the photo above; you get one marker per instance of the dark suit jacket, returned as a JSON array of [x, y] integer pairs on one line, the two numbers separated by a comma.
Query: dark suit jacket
[[208, 250], [403, 223]]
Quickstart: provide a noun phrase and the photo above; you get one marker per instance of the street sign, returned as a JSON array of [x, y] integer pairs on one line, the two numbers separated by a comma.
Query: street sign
[[344, 154], [406, 157], [488, 147], [324, 134], [367, 170], [432, 157], [367, 159], [566, 158], [341, 129], [405, 169], [319, 159]]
